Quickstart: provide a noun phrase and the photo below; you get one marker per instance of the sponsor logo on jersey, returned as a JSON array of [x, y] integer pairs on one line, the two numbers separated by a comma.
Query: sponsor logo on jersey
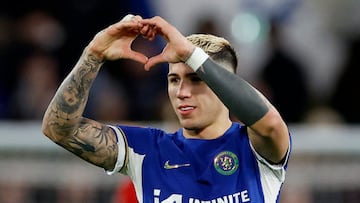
[[238, 197], [226, 163]]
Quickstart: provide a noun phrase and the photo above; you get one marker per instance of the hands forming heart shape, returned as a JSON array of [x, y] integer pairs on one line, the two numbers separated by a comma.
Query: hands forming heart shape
[[114, 42]]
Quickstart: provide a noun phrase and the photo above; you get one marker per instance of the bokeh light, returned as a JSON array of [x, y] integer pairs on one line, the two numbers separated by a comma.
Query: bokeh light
[[247, 27]]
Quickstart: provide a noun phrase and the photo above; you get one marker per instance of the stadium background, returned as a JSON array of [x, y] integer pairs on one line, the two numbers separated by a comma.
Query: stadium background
[[303, 54]]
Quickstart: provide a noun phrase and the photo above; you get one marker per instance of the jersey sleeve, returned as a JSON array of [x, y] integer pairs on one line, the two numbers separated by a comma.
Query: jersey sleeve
[[122, 150], [277, 169], [272, 175], [133, 143]]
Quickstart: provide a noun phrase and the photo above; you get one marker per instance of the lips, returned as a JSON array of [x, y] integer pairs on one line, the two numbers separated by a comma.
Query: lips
[[185, 109]]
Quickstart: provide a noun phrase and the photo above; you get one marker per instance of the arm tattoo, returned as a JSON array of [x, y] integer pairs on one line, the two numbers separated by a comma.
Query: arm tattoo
[[88, 139], [94, 143], [75, 89]]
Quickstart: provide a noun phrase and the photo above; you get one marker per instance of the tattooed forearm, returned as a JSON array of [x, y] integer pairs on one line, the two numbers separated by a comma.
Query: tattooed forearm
[[70, 99], [94, 143], [73, 93], [64, 124]]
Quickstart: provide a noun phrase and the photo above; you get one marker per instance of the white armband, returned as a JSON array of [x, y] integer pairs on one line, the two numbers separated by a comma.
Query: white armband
[[197, 58]]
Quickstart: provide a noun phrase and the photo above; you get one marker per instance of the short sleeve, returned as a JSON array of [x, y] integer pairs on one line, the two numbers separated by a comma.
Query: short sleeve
[[122, 150], [278, 169]]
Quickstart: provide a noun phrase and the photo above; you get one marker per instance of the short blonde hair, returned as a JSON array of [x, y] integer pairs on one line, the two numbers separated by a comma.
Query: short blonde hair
[[218, 48]]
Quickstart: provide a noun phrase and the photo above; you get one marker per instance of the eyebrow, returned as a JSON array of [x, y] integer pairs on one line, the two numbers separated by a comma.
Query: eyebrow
[[186, 75]]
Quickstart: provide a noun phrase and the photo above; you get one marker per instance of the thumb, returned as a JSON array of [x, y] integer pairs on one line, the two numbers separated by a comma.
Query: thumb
[[154, 61], [139, 57]]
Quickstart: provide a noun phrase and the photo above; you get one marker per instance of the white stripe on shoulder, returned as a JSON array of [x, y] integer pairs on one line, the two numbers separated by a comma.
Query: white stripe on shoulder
[[122, 148], [272, 176]]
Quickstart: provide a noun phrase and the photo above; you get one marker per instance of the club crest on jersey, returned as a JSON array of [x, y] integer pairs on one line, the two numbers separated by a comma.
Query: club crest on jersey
[[226, 163]]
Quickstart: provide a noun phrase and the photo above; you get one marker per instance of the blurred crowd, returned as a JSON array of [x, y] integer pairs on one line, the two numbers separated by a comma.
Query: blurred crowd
[[40, 43]]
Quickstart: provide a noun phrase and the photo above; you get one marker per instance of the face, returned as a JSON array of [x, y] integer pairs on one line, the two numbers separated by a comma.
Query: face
[[195, 104]]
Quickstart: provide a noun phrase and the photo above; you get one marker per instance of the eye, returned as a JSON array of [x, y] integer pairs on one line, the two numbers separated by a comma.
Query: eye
[[196, 79], [173, 80]]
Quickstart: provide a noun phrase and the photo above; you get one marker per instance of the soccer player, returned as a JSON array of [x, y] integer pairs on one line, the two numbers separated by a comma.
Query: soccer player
[[210, 158]]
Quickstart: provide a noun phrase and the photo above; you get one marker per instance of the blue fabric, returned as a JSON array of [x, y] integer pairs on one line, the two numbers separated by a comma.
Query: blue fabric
[[200, 181]]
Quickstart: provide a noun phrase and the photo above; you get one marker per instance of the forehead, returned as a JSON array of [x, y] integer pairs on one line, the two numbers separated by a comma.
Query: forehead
[[180, 69]]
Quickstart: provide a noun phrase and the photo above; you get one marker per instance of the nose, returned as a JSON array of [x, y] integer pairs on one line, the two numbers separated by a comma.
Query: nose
[[184, 90]]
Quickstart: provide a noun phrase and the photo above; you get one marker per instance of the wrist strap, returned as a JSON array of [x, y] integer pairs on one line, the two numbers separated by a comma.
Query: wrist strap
[[197, 58]]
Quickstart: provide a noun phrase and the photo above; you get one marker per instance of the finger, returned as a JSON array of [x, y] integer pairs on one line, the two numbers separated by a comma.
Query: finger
[[137, 18], [130, 25], [152, 33], [154, 61], [128, 17], [139, 57], [154, 21], [148, 32], [160, 26], [145, 30], [129, 21]]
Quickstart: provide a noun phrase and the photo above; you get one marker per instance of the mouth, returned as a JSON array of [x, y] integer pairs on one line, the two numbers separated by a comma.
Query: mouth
[[185, 109]]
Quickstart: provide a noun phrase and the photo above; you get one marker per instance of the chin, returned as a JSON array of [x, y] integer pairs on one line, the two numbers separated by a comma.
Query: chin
[[189, 125], [186, 123]]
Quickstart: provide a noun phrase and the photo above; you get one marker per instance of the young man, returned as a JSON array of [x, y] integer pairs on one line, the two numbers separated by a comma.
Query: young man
[[211, 158]]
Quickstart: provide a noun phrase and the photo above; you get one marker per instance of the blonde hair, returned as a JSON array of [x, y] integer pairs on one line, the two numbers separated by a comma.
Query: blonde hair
[[218, 48]]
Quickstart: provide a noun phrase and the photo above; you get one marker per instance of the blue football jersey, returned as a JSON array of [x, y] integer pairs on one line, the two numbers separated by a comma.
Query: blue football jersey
[[169, 168]]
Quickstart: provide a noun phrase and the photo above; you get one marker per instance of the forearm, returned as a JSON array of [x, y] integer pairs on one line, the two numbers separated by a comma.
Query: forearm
[[243, 100], [64, 123], [66, 108], [239, 96]]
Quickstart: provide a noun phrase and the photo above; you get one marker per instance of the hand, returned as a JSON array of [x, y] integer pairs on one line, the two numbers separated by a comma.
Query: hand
[[115, 41], [177, 49]]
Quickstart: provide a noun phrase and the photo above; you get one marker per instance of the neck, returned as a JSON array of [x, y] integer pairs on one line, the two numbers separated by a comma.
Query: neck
[[209, 132]]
